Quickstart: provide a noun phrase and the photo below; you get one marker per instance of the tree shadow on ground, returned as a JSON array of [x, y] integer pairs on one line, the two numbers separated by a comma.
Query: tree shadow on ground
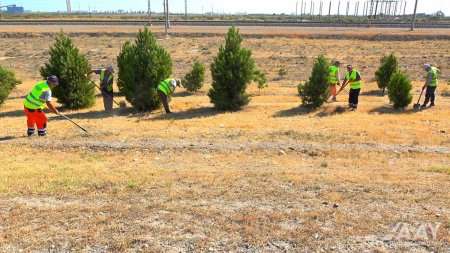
[[18, 113], [9, 138], [96, 114], [376, 93], [296, 111], [202, 112], [391, 110], [17, 97], [183, 94], [331, 111]]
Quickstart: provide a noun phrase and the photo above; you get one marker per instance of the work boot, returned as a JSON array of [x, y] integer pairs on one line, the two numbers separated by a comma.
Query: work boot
[[30, 131], [432, 104], [423, 106], [334, 99]]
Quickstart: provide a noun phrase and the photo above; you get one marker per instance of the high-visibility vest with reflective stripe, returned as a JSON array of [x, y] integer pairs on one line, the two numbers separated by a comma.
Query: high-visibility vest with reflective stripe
[[333, 71], [165, 86], [110, 78], [33, 100], [354, 85], [435, 73]]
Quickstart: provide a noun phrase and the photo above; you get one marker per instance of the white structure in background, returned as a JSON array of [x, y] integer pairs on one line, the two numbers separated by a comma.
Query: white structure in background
[[69, 7]]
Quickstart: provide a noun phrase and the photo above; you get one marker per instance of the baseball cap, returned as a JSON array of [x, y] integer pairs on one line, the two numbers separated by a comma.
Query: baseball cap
[[337, 62], [111, 69], [426, 66], [349, 66], [53, 79]]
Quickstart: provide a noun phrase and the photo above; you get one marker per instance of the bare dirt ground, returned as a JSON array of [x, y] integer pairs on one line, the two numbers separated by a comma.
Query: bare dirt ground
[[273, 177]]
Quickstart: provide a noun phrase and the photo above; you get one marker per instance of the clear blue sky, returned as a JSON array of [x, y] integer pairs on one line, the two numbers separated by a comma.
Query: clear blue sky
[[227, 6]]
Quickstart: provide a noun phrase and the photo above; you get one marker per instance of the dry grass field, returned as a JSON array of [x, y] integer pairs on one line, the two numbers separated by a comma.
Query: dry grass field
[[273, 177]]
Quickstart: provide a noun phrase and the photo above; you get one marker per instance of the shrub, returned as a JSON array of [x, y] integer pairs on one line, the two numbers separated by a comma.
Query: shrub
[[315, 91], [7, 82], [194, 80], [389, 65], [142, 66], [282, 72], [69, 65], [260, 77], [232, 70], [399, 90]]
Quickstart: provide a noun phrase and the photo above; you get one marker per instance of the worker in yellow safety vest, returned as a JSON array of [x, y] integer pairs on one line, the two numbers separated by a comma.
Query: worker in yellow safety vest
[[353, 78], [165, 89], [432, 80], [35, 102], [106, 85], [334, 79]]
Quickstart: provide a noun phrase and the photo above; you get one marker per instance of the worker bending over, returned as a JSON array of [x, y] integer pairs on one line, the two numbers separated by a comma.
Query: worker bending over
[[165, 89], [34, 103], [430, 84]]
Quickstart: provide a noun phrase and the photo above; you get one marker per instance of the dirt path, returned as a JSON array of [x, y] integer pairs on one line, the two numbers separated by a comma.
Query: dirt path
[[156, 144]]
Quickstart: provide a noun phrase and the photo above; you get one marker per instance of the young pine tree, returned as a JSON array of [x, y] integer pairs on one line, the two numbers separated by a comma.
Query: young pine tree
[[260, 77], [7, 82], [315, 91], [389, 65], [142, 66], [232, 70], [194, 80], [69, 65], [399, 90]]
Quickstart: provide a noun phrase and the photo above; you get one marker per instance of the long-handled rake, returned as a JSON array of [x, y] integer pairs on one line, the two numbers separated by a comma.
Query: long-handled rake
[[342, 88], [121, 104], [73, 122]]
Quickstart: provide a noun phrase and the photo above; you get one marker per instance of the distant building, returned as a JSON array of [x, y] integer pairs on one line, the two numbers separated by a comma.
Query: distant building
[[14, 9]]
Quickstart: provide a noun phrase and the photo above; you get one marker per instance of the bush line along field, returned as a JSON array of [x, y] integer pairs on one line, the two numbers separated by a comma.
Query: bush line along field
[[273, 177]]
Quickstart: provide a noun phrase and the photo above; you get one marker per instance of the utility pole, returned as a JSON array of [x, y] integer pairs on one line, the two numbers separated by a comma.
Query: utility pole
[[414, 16], [339, 9], [376, 9], [185, 10], [348, 7], [304, 9], [168, 14], [301, 10], [320, 9], [149, 12], [329, 10], [296, 9], [404, 10]]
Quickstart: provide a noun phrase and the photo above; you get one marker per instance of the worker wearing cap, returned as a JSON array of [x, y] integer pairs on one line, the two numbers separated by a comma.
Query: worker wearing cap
[[431, 84], [106, 85], [334, 79], [34, 103], [165, 89], [353, 78]]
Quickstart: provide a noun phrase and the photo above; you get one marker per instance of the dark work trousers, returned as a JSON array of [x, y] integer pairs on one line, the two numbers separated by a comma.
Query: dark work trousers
[[108, 99], [165, 101], [354, 98], [429, 95]]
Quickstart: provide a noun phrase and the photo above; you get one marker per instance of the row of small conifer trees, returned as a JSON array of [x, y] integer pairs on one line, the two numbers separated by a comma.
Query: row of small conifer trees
[[143, 63]]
